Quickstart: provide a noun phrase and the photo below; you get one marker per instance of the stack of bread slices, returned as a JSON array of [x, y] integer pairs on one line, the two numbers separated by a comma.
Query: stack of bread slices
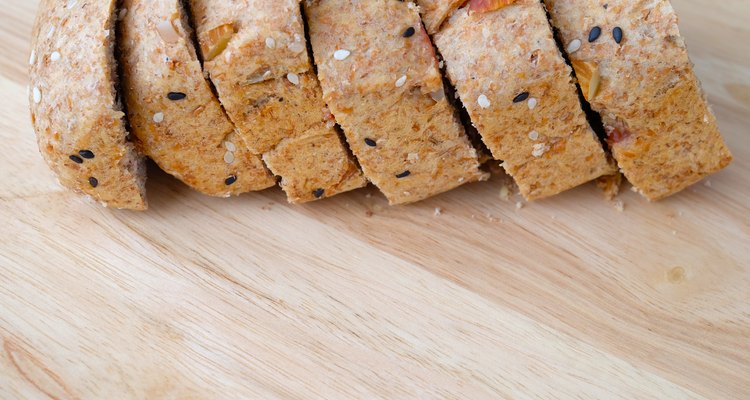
[[324, 96]]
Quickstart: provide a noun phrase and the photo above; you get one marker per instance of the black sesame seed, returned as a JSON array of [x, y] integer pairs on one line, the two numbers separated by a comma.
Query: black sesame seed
[[403, 174], [318, 193], [88, 154], [76, 159], [409, 32], [175, 96], [370, 142], [617, 34], [594, 34], [230, 180], [521, 97], [93, 182]]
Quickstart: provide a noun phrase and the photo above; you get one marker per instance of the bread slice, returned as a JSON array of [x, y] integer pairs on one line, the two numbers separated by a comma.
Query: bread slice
[[520, 95], [172, 110], [255, 52], [380, 77], [633, 67], [74, 106]]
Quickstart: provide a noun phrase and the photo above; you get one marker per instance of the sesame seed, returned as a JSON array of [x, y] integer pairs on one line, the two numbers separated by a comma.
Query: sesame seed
[[294, 78], [88, 154], [532, 103], [37, 95], [533, 135], [617, 34], [71, 4], [93, 182], [230, 146], [32, 57], [341, 55], [483, 101], [297, 47], [230, 180], [55, 56], [412, 157], [574, 46], [270, 42], [594, 34], [76, 159], [403, 174], [438, 95], [318, 193], [51, 32], [521, 97], [370, 142], [158, 117], [401, 81], [539, 150], [228, 157], [175, 96], [409, 32]]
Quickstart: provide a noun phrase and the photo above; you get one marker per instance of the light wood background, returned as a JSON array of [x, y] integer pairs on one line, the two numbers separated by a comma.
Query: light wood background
[[251, 298]]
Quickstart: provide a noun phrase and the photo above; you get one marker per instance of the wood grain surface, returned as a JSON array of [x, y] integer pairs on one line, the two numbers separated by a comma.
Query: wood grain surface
[[251, 298]]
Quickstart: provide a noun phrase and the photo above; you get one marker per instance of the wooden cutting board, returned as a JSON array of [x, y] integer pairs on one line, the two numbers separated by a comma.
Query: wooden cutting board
[[462, 296]]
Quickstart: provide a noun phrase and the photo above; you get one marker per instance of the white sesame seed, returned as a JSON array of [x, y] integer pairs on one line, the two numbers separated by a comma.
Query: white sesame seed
[[483, 101], [341, 55], [37, 95], [539, 150], [533, 135], [296, 47], [158, 117], [574, 46], [32, 57], [228, 157], [55, 56], [532, 103], [270, 42], [412, 157], [230, 146], [294, 78], [51, 32], [71, 4], [401, 81]]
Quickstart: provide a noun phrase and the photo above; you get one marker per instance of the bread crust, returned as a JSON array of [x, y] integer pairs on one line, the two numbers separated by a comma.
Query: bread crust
[[265, 81], [74, 108], [661, 131], [380, 78], [518, 90], [177, 118]]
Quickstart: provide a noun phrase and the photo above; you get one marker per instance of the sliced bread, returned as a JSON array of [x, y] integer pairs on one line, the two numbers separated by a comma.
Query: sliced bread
[[74, 107], [176, 117], [633, 67], [520, 95], [255, 53], [380, 78]]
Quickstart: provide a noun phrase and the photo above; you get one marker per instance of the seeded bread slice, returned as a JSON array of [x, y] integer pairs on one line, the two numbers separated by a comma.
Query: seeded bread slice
[[519, 93], [380, 77], [255, 52], [74, 106], [633, 67], [172, 110]]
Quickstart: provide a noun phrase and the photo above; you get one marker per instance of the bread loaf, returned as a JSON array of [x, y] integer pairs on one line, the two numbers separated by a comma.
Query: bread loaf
[[633, 67], [74, 107], [380, 77], [255, 53]]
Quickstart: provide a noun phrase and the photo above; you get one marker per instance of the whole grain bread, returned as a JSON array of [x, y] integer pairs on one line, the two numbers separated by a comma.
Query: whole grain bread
[[633, 67], [74, 106], [519, 93], [255, 53], [380, 78], [172, 109]]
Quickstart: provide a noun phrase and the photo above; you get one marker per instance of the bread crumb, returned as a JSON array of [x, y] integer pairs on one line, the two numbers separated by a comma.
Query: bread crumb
[[519, 205], [438, 211], [707, 183], [504, 193], [619, 206]]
